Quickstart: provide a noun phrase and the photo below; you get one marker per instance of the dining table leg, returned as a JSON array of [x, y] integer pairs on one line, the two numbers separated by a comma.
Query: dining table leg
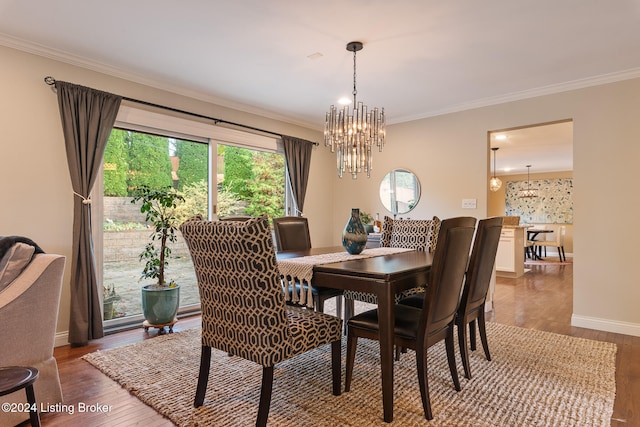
[[386, 301]]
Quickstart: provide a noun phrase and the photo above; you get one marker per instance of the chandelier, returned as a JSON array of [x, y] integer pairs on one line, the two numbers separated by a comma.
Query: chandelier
[[354, 134], [529, 192], [494, 182]]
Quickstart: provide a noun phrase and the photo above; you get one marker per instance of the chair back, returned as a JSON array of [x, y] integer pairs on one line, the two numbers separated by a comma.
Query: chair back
[[558, 234], [243, 305], [447, 274], [418, 234], [292, 233], [483, 257]]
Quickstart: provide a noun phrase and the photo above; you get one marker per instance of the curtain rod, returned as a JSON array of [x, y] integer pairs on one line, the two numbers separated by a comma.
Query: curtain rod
[[52, 81]]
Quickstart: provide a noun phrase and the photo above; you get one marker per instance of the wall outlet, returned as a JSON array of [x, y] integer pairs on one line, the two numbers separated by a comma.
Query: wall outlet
[[469, 203]]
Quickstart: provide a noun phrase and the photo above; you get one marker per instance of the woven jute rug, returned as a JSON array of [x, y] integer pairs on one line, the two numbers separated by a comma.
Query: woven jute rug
[[535, 379]]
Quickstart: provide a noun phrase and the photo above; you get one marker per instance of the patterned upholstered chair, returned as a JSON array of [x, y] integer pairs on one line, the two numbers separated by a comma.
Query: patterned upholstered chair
[[243, 305], [418, 234]]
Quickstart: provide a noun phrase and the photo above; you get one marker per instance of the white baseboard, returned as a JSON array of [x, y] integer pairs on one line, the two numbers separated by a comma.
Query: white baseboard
[[62, 338], [625, 328]]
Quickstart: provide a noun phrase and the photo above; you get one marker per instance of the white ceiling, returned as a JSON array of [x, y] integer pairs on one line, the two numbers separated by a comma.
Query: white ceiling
[[286, 59], [547, 148]]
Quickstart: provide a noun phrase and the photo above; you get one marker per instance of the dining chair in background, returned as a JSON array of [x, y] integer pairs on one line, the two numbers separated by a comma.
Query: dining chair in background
[[556, 242], [475, 289], [420, 328], [292, 234], [243, 307], [418, 234]]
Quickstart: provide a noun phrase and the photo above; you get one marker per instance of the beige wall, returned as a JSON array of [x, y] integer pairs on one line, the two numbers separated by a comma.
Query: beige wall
[[496, 202], [448, 153]]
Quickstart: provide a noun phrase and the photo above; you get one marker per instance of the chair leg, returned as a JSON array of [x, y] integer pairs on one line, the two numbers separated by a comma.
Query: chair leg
[[336, 367], [339, 306], [265, 396], [472, 334], [451, 358], [352, 343], [423, 381], [464, 351], [203, 375], [319, 303], [349, 308], [483, 333]]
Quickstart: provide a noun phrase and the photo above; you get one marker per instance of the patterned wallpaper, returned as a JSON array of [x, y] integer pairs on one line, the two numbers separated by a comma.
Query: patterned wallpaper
[[554, 204]]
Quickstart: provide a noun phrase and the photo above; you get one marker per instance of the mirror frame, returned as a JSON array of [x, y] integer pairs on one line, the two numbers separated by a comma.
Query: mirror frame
[[385, 188]]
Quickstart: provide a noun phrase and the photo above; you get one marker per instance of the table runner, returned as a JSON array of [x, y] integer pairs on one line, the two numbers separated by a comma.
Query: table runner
[[301, 270]]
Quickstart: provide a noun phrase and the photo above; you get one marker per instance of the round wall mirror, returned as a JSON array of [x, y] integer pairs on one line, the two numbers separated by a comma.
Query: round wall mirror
[[400, 191]]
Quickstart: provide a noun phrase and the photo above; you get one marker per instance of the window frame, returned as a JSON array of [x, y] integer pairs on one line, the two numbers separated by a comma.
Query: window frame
[[165, 124]]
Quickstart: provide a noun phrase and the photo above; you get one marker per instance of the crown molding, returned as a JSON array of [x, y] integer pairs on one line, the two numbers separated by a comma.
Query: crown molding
[[526, 94], [62, 56], [75, 60]]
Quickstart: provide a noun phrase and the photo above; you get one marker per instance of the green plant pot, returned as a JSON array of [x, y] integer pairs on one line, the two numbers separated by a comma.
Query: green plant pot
[[107, 310], [160, 306]]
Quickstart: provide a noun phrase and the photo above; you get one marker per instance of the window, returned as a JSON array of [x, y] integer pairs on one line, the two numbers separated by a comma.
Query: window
[[246, 176]]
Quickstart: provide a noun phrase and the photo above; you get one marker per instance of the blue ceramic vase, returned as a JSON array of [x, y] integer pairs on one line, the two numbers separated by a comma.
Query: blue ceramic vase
[[354, 237]]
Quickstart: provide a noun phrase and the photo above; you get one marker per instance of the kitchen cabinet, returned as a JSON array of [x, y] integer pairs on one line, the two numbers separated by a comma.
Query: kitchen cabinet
[[510, 256]]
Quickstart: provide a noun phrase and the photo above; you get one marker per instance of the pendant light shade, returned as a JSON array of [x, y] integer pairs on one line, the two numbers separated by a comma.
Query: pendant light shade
[[354, 134], [529, 192], [494, 183]]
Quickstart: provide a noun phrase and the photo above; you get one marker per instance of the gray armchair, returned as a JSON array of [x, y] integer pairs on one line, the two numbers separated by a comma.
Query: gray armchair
[[29, 312]]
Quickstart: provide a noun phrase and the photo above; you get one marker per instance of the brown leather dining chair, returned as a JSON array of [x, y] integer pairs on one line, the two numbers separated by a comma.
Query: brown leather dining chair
[[474, 294], [476, 287], [243, 307], [292, 234], [420, 328]]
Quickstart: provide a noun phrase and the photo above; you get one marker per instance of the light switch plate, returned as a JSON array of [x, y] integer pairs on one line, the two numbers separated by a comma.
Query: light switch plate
[[469, 203]]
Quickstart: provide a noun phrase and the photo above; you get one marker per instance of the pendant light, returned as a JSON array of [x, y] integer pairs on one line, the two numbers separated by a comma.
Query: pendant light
[[529, 192], [494, 182], [354, 134]]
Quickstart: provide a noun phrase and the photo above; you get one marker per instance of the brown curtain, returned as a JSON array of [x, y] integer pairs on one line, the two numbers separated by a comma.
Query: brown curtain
[[298, 154], [87, 117]]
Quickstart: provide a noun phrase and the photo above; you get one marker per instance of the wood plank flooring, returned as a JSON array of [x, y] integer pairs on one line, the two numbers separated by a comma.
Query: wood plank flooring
[[541, 299]]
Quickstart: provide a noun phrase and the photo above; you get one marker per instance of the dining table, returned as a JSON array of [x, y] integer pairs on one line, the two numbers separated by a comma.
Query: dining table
[[381, 273]]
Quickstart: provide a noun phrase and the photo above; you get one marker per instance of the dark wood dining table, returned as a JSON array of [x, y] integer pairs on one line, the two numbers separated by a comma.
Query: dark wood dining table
[[383, 276]]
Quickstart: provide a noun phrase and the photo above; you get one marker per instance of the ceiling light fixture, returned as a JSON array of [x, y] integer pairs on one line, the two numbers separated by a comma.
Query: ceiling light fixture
[[529, 192], [494, 182], [354, 134]]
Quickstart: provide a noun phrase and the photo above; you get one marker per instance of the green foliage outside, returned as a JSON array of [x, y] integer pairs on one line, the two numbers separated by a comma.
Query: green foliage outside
[[238, 171], [267, 188], [116, 166], [193, 165], [253, 183], [196, 198], [149, 162]]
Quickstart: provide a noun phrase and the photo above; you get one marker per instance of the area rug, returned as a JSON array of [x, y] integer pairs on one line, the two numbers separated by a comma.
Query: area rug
[[535, 379]]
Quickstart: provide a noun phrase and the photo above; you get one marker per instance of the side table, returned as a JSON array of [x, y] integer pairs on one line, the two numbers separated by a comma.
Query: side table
[[14, 378]]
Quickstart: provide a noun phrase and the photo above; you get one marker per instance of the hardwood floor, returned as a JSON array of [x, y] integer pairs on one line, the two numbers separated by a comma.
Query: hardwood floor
[[541, 299]]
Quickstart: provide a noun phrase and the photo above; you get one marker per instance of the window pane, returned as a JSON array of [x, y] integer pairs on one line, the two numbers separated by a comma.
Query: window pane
[[131, 160], [250, 182]]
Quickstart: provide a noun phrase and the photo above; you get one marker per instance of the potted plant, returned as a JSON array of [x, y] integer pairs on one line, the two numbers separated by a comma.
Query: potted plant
[[160, 300], [367, 221], [109, 297]]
